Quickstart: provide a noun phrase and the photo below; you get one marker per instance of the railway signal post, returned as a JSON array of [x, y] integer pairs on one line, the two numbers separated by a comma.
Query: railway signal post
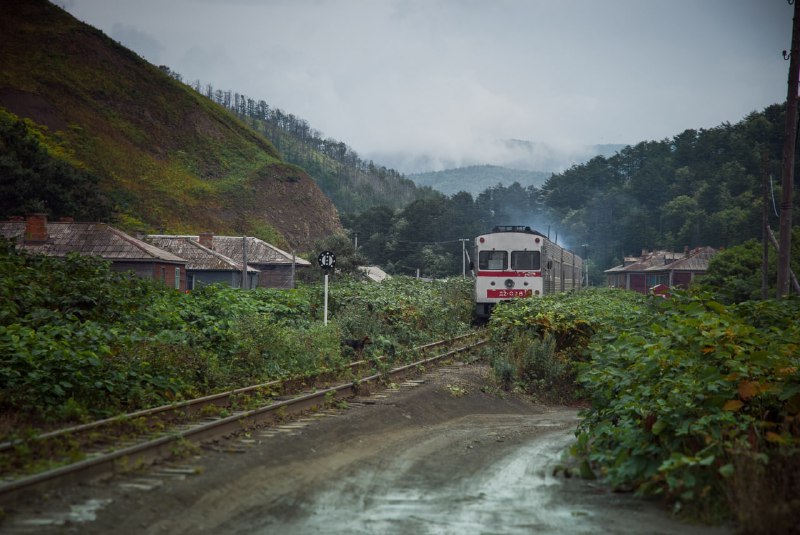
[[327, 261]]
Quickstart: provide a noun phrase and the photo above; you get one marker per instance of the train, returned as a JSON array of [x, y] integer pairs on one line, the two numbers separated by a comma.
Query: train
[[516, 262]]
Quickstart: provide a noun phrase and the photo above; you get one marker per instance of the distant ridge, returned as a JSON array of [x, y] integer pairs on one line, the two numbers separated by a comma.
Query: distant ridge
[[477, 178], [508, 153]]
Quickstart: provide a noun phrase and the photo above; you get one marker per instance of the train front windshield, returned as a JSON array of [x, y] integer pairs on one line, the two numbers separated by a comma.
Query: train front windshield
[[526, 260], [520, 260], [494, 260]]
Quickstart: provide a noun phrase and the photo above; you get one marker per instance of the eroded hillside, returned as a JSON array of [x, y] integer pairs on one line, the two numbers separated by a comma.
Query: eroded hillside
[[166, 158]]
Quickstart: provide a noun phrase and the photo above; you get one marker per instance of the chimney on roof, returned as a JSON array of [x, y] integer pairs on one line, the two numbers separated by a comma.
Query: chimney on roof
[[16, 218], [36, 228], [685, 250], [644, 253], [66, 219], [207, 240]]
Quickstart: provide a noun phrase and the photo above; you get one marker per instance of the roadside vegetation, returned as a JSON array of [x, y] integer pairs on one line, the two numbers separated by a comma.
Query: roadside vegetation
[[694, 398], [80, 341]]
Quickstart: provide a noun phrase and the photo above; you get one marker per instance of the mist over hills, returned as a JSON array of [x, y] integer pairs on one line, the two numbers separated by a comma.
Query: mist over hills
[[478, 178], [509, 153]]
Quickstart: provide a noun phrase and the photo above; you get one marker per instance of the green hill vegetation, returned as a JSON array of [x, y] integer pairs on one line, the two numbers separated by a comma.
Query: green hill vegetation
[[162, 156]]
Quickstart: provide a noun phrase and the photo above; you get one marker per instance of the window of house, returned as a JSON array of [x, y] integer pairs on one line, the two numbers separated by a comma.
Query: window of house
[[493, 260], [525, 260], [177, 278]]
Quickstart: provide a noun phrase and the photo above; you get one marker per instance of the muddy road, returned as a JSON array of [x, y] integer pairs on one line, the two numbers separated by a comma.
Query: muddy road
[[436, 456]]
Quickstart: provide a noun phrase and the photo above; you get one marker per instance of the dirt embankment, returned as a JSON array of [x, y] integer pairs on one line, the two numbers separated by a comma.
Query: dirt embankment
[[442, 456]]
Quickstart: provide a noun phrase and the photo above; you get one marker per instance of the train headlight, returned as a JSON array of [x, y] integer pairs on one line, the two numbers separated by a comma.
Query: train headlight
[[509, 283]]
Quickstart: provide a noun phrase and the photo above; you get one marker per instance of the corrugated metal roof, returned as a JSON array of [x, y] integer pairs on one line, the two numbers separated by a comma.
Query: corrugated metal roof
[[695, 260], [91, 239], [258, 251], [198, 257]]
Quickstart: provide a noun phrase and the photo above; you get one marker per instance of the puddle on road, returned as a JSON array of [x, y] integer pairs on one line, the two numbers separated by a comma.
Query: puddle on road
[[511, 496], [515, 494]]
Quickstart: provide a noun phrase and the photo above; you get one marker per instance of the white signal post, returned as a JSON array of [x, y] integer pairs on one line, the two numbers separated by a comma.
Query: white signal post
[[327, 261]]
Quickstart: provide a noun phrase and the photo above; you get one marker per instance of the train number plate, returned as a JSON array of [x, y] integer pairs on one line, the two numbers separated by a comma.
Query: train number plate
[[507, 294]]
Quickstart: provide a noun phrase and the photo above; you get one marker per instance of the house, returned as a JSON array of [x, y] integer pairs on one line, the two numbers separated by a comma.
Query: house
[[59, 238], [205, 265], [276, 267], [660, 269]]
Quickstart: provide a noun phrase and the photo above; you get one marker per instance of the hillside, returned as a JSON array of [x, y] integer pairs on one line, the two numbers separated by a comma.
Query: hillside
[[352, 183], [165, 157], [478, 178]]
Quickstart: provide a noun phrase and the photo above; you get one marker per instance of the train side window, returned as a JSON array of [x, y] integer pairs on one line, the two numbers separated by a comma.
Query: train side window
[[492, 260], [525, 260]]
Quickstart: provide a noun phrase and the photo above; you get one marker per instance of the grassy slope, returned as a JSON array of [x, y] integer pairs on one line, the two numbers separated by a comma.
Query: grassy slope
[[169, 158]]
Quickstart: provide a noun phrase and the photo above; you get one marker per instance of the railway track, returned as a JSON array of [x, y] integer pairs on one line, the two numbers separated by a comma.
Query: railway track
[[123, 443]]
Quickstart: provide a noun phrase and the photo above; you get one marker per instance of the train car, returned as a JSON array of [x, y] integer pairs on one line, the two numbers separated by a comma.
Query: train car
[[517, 261]]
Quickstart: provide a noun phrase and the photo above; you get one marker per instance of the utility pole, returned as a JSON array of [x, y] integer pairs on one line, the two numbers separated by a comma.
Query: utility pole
[[245, 285], [463, 256], [764, 226], [789, 143]]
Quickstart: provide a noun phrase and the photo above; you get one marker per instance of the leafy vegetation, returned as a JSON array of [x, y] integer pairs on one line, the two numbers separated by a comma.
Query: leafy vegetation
[[734, 274], [691, 399], [79, 340], [544, 339], [33, 181]]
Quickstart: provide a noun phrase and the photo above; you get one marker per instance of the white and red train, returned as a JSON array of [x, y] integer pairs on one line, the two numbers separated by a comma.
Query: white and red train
[[517, 261]]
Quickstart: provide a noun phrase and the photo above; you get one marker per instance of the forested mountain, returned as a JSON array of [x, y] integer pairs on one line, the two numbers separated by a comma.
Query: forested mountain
[[477, 178], [702, 187], [89, 129], [352, 183]]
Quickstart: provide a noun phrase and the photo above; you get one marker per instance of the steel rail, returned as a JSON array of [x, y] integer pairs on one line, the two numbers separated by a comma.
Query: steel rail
[[198, 403], [139, 454]]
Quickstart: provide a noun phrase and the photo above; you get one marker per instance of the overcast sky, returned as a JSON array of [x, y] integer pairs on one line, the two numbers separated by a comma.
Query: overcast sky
[[449, 78]]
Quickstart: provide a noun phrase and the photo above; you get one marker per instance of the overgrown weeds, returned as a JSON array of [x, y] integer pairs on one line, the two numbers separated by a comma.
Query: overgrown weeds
[[692, 400], [81, 341]]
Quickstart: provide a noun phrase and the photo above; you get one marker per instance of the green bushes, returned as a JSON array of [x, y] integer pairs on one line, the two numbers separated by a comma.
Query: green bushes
[[79, 341], [406, 310], [680, 401], [691, 400], [534, 365], [538, 342]]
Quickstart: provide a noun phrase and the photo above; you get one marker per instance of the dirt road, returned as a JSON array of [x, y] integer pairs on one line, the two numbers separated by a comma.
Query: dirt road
[[439, 457]]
